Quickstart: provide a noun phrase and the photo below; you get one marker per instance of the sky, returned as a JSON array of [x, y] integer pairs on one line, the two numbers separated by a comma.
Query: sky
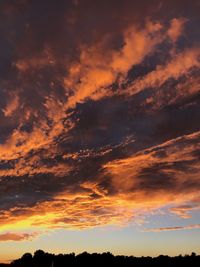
[[99, 127]]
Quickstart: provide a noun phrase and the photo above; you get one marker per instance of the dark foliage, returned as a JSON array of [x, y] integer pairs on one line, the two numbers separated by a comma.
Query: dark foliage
[[43, 259]]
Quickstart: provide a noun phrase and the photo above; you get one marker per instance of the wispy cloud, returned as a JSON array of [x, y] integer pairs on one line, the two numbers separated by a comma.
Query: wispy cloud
[[175, 228], [10, 236]]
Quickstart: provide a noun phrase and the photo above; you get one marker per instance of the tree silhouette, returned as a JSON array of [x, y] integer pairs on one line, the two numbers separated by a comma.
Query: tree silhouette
[[43, 259]]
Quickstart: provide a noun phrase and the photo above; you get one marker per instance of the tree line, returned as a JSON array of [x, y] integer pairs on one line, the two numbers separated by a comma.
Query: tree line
[[43, 259]]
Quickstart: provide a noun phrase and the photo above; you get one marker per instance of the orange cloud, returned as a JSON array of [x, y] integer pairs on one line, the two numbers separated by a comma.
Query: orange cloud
[[182, 210], [151, 179], [20, 142], [9, 236], [136, 48], [12, 105], [175, 68], [138, 183], [88, 208], [141, 184], [124, 171], [35, 62], [99, 67], [89, 78], [176, 28], [33, 166]]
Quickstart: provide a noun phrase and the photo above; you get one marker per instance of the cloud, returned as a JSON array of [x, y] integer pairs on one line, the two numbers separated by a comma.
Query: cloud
[[162, 157], [175, 228], [88, 208], [176, 28], [153, 177], [180, 65], [184, 209], [12, 106], [147, 181], [99, 66], [88, 78], [9, 236]]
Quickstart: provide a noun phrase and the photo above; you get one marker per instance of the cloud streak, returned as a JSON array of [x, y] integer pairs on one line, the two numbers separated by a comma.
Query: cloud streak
[[16, 236], [175, 228]]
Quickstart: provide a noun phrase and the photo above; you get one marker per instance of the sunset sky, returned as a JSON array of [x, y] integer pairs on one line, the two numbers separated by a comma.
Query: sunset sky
[[99, 126]]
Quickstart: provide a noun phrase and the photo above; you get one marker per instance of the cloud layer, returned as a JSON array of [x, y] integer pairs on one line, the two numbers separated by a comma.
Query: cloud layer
[[99, 117]]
